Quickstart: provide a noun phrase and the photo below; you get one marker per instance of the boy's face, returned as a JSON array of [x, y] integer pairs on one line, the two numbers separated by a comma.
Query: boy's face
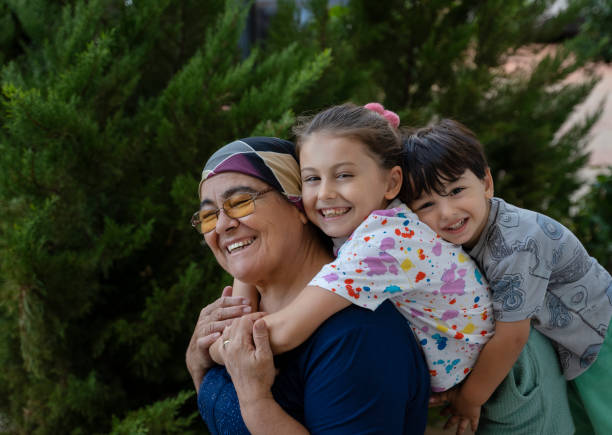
[[459, 215]]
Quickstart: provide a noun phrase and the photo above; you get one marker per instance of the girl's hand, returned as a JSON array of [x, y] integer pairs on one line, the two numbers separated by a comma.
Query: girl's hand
[[212, 321], [249, 359]]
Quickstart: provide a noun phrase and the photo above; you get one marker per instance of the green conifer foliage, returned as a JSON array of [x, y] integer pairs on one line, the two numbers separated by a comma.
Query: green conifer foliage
[[108, 110], [440, 58], [595, 38], [593, 222]]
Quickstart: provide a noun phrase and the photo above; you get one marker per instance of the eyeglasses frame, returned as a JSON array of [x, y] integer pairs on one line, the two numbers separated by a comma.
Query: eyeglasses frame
[[195, 218]]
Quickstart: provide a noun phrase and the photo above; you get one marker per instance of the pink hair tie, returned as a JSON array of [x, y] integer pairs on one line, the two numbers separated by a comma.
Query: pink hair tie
[[390, 116]]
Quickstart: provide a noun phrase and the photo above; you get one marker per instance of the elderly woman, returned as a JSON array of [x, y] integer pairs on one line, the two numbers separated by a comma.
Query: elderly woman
[[251, 218]]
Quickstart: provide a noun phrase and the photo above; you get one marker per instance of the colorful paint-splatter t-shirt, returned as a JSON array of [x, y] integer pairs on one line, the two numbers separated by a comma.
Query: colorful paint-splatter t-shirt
[[433, 283]]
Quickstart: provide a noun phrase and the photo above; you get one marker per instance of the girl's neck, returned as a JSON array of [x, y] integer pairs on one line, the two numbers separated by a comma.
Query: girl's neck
[[302, 265]]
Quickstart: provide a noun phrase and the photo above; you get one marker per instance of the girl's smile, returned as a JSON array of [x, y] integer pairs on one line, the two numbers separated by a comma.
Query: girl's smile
[[342, 183]]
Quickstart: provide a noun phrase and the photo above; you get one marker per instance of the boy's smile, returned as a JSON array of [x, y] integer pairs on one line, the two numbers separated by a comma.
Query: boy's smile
[[460, 213]]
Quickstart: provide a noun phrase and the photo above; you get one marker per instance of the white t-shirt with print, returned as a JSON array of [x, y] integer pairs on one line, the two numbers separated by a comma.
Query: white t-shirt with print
[[433, 283]]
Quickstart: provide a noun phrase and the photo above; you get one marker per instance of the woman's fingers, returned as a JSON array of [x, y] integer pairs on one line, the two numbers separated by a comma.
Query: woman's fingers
[[219, 314], [227, 291], [223, 302], [229, 312], [203, 343], [261, 340], [248, 357], [212, 327], [241, 332]]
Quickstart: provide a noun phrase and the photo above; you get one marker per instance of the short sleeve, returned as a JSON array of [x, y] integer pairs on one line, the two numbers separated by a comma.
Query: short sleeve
[[381, 259]]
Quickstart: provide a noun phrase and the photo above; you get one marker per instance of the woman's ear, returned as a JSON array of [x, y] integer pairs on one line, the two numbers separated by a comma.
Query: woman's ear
[[488, 184], [394, 182], [303, 217]]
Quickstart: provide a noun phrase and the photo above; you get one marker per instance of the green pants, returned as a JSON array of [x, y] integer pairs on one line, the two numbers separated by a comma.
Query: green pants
[[590, 394], [533, 397]]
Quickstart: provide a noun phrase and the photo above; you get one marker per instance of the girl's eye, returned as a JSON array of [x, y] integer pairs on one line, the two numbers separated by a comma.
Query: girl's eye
[[457, 190], [344, 175], [310, 179]]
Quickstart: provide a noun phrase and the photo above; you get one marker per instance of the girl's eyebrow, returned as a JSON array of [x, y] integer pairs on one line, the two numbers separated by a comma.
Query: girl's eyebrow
[[337, 165]]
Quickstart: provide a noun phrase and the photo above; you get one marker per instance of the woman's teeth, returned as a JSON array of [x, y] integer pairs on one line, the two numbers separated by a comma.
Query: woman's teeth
[[237, 245], [332, 212], [457, 225]]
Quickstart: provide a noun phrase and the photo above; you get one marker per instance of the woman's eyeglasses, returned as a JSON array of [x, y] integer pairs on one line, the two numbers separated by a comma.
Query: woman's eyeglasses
[[236, 206]]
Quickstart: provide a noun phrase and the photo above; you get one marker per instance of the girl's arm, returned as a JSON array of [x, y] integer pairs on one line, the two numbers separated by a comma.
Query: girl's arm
[[493, 365], [292, 325], [247, 291]]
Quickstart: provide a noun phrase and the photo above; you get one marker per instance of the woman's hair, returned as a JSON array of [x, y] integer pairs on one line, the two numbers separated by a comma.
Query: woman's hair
[[270, 159], [381, 139], [438, 154]]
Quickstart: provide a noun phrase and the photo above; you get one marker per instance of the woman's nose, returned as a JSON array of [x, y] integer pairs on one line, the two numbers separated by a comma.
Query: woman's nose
[[225, 222]]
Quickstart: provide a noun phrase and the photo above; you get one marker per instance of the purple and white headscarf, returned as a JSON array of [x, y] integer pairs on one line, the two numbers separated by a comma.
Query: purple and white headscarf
[[269, 159]]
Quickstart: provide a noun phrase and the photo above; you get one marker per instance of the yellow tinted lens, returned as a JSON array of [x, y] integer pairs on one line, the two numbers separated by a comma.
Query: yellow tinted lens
[[239, 205], [208, 221]]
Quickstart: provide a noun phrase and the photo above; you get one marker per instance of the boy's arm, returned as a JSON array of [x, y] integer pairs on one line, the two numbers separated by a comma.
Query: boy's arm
[[494, 363], [292, 325]]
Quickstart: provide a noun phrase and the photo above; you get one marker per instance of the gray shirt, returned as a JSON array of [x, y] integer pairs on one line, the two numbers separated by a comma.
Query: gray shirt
[[539, 270]]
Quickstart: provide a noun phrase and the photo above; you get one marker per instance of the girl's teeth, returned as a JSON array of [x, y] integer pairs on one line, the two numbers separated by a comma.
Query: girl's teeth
[[239, 244], [331, 212]]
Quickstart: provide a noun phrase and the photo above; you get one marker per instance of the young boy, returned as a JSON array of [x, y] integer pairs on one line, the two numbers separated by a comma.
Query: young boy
[[539, 272]]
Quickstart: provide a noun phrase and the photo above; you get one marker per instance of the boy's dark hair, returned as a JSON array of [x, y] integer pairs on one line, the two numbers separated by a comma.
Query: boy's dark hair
[[382, 140], [440, 153]]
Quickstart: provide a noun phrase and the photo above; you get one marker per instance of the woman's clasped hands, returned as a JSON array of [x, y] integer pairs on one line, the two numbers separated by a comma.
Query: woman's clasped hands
[[249, 359], [213, 319]]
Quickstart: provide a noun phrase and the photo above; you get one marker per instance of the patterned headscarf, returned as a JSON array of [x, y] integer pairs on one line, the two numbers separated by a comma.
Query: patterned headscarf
[[270, 159]]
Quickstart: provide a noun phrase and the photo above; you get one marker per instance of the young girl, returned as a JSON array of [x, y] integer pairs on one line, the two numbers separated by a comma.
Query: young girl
[[350, 158], [540, 273]]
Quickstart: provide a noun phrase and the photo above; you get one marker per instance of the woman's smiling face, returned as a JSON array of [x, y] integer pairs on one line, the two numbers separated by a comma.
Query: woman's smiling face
[[252, 247]]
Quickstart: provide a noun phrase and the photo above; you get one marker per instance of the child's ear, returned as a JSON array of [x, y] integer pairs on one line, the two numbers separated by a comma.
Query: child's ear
[[394, 183], [488, 184]]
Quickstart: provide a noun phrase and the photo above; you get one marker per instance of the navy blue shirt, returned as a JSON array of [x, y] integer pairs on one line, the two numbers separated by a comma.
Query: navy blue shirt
[[361, 372]]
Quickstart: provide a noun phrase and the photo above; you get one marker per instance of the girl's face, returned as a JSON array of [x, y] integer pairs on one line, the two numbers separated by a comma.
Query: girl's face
[[461, 214], [342, 183]]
